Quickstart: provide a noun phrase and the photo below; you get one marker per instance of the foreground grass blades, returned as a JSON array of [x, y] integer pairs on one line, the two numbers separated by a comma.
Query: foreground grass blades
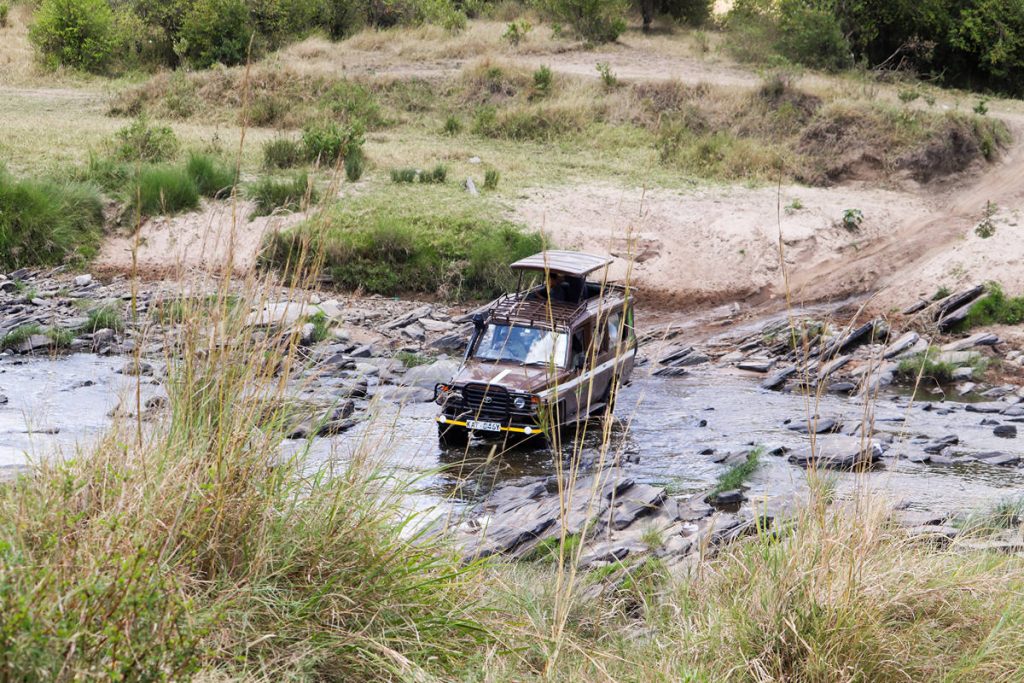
[[197, 545]]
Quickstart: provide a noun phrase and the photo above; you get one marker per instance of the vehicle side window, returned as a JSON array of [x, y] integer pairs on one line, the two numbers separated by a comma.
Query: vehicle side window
[[614, 335], [577, 349]]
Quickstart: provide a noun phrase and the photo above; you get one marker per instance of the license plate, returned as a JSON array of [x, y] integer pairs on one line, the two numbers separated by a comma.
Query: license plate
[[483, 426]]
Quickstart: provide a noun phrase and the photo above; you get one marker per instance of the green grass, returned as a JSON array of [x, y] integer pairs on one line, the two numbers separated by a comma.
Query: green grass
[[551, 549], [45, 222], [927, 366], [212, 177], [163, 189], [321, 326], [197, 547], [403, 175], [19, 335], [438, 174], [282, 153], [414, 241], [994, 308], [103, 318], [738, 474], [411, 360], [271, 194]]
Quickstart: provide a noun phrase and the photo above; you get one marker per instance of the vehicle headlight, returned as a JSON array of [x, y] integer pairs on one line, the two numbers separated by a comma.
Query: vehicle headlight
[[519, 402]]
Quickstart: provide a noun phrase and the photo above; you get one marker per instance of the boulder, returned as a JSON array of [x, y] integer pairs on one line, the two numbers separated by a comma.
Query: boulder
[[1005, 431], [427, 376]]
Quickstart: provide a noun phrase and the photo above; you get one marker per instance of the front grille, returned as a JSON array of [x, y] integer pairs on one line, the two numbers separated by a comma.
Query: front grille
[[486, 402]]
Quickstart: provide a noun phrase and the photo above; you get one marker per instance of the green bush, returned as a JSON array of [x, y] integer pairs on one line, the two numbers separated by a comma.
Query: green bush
[[995, 308], [691, 12], [289, 195], [452, 125], [352, 102], [140, 141], [542, 78], [164, 189], [354, 165], [813, 37], [215, 32], [74, 33], [5, 10], [326, 142], [599, 21], [410, 242], [282, 153], [212, 177], [47, 223]]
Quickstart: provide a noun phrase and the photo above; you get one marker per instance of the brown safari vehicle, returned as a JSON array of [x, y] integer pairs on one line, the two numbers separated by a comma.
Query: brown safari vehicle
[[547, 356]]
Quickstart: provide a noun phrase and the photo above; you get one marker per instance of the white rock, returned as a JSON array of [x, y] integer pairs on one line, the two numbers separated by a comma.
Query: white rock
[[83, 280]]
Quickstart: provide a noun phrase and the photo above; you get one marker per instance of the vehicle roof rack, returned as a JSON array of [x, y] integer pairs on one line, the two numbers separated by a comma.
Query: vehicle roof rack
[[574, 263]]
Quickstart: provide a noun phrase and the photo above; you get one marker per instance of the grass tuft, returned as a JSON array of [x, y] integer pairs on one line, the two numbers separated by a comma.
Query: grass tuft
[[212, 177], [46, 222], [164, 190], [738, 474], [272, 195]]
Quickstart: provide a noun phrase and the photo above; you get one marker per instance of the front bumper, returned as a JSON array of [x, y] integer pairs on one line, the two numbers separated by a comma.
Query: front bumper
[[527, 430]]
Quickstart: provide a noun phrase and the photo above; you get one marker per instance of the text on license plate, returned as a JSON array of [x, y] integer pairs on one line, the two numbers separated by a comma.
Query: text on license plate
[[483, 426]]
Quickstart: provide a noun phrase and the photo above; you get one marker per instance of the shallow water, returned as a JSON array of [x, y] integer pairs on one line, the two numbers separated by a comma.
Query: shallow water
[[662, 426]]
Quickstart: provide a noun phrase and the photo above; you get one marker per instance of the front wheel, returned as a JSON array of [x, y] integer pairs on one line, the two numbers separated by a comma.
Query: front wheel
[[451, 436]]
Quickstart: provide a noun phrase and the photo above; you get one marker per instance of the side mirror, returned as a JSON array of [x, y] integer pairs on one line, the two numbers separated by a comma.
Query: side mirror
[[479, 321], [578, 361]]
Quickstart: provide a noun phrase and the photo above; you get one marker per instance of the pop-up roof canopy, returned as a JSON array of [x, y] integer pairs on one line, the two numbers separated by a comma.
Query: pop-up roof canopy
[[574, 263]]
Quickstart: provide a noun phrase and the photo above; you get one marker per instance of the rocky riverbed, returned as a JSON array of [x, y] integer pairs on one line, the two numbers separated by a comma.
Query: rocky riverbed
[[807, 393]]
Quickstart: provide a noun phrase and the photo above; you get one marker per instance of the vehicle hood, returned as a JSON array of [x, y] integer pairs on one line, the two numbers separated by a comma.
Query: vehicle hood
[[512, 376]]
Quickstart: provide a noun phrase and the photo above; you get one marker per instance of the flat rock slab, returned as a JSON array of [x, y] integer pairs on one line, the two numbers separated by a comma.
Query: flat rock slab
[[778, 378], [1005, 431], [821, 425], [900, 345], [837, 453], [990, 407], [979, 339]]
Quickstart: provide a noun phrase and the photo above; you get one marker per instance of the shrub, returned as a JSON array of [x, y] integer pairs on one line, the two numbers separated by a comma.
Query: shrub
[[409, 242], [516, 32], [352, 102], [326, 142], [491, 177], [812, 36], [542, 78], [608, 77], [212, 177], [271, 195], [164, 189], [268, 110], [47, 223], [403, 175], [438, 174], [140, 141], [599, 21], [691, 12], [19, 335], [74, 33], [5, 10], [215, 32], [925, 366], [452, 125], [354, 163], [282, 153]]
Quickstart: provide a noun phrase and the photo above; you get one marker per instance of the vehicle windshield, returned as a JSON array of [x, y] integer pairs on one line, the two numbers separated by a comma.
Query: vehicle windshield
[[526, 345]]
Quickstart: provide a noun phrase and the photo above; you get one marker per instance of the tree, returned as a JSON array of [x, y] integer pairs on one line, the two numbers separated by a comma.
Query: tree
[[75, 33]]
